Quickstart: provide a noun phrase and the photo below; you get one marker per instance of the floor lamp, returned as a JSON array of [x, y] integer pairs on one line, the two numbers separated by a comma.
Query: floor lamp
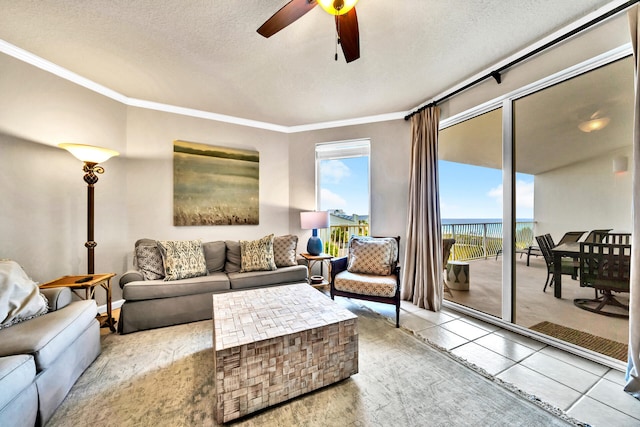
[[91, 156]]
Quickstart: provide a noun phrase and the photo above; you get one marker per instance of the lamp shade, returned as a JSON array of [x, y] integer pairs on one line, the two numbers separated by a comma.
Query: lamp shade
[[89, 153], [314, 220], [337, 7]]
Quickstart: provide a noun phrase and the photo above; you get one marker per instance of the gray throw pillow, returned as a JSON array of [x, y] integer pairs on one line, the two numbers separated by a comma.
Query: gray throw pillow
[[20, 297], [284, 250], [215, 255], [234, 261]]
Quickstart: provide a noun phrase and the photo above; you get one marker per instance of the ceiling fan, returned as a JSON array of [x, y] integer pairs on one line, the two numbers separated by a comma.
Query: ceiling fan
[[346, 22]]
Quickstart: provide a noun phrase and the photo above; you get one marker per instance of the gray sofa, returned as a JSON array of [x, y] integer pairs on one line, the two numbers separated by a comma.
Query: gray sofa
[[158, 303], [41, 358]]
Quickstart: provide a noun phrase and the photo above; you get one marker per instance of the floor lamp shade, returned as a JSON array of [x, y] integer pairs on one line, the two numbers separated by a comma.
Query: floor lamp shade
[[314, 221]]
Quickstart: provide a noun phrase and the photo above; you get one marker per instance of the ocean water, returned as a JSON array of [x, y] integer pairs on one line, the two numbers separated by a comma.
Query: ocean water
[[479, 220]]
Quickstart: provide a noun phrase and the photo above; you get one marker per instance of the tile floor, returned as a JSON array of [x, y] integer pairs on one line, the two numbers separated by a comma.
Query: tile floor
[[585, 390]]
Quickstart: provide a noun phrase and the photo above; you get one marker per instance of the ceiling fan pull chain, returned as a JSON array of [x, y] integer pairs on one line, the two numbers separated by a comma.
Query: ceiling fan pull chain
[[337, 36]]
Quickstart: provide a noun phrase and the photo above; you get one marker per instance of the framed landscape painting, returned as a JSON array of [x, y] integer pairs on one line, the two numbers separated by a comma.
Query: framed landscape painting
[[215, 185]]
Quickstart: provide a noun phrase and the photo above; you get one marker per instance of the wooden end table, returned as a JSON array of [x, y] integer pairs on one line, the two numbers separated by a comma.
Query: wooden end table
[[88, 282], [322, 259]]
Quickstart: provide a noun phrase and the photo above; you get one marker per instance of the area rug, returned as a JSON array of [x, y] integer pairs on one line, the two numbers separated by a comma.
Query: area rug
[[598, 344], [163, 377]]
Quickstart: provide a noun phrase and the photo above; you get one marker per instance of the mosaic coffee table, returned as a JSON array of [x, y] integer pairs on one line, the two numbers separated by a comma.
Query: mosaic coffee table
[[273, 344]]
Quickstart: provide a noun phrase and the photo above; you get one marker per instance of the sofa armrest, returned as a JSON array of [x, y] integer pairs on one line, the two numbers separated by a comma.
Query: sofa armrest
[[337, 265], [130, 276], [57, 297]]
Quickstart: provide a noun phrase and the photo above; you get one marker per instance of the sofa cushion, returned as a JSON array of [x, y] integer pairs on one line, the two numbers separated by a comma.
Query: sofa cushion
[[20, 297], [46, 337], [16, 374], [372, 255], [284, 250], [234, 260], [215, 255], [257, 255], [149, 259], [154, 289], [182, 259], [294, 274]]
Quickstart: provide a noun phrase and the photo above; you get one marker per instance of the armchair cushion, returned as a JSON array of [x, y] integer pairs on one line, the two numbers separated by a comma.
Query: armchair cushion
[[20, 297], [365, 284], [182, 259], [372, 255]]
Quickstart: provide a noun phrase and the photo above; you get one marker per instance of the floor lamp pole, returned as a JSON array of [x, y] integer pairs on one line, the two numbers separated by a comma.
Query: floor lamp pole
[[90, 178]]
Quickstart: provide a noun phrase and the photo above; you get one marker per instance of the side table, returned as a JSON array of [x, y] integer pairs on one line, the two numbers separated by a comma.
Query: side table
[[322, 259], [88, 282]]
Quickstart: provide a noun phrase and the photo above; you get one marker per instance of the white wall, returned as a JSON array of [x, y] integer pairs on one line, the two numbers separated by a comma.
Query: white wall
[[583, 197], [149, 164], [44, 198], [389, 163]]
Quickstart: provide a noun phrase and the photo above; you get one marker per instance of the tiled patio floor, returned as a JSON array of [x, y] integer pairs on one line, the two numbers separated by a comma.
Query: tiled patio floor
[[532, 304]]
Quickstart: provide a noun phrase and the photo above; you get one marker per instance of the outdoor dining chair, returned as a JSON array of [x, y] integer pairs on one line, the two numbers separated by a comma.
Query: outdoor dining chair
[[569, 266]]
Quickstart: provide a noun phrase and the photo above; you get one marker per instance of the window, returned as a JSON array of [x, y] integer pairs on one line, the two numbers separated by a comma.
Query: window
[[342, 188]]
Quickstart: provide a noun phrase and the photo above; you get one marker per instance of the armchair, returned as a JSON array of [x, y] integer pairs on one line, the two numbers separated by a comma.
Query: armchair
[[369, 272]]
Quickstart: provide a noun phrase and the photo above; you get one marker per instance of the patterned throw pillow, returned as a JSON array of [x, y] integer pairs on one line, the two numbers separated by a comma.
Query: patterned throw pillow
[[257, 255], [182, 259], [371, 255], [149, 259], [284, 250]]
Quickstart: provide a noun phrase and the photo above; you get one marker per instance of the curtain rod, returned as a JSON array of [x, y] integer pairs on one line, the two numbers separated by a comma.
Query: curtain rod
[[496, 73]]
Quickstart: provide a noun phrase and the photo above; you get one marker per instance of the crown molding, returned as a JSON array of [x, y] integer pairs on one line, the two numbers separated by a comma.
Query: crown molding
[[48, 66]]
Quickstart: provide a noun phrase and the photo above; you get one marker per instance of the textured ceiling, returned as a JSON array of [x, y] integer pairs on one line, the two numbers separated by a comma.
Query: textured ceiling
[[206, 54]]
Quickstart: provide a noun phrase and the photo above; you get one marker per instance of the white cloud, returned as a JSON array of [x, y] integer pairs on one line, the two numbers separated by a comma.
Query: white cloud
[[524, 194], [330, 200], [333, 171]]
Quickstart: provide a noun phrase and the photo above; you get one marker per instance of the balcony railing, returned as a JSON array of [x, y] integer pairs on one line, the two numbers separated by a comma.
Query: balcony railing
[[473, 241], [483, 240], [336, 237]]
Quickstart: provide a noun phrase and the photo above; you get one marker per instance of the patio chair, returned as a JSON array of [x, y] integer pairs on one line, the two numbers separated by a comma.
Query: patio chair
[[569, 266], [606, 268], [617, 238], [570, 237], [596, 236], [447, 244], [370, 271]]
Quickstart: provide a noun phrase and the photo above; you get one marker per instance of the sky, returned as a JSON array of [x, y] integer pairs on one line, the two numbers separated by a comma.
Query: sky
[[344, 184], [466, 191]]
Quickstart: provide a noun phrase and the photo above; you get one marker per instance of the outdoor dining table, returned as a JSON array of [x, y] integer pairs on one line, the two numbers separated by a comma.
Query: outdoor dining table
[[571, 250]]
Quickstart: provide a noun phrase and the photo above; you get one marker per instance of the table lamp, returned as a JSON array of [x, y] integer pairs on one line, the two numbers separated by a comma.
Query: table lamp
[[313, 221]]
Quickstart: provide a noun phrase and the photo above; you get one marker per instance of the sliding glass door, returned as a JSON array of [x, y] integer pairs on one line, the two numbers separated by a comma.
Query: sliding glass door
[[552, 159], [567, 139]]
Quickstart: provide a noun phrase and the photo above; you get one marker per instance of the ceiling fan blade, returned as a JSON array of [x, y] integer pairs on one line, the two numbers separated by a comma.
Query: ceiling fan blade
[[347, 27], [289, 13]]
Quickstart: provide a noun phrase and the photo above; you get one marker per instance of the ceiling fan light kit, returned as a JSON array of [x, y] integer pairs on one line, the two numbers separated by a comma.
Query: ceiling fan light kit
[[348, 34], [337, 7]]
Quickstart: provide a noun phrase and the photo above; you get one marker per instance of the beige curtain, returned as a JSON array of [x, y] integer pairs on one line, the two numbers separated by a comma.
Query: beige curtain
[[633, 369], [422, 272]]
